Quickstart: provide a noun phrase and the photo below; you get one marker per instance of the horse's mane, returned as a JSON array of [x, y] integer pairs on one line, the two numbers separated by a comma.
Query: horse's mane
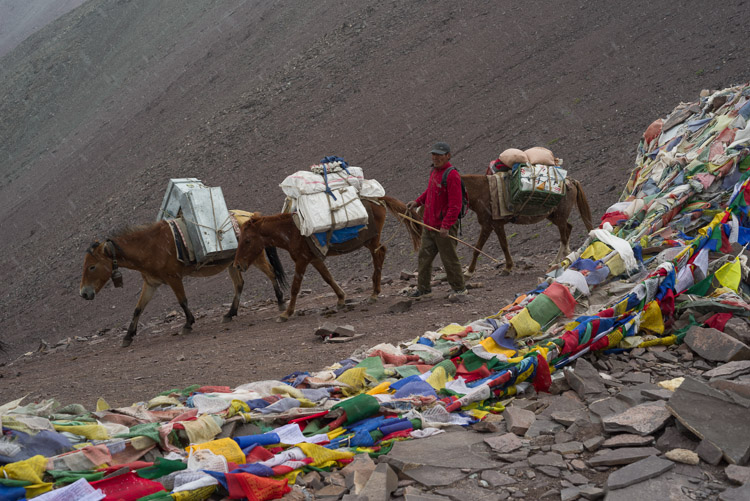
[[274, 217], [130, 229]]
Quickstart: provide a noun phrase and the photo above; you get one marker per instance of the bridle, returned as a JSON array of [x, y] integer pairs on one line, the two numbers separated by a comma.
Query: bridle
[[116, 274]]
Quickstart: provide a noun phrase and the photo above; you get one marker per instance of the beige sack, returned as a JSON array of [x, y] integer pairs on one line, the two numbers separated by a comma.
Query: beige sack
[[513, 156], [540, 156]]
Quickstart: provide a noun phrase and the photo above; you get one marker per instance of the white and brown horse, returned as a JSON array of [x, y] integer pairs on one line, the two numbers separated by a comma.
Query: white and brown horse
[[151, 250]]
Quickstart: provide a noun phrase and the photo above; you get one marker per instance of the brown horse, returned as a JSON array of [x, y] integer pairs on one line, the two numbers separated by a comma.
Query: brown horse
[[478, 191], [280, 231], [151, 250]]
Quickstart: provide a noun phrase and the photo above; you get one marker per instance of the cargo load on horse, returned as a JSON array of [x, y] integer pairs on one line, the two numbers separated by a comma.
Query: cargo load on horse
[[527, 183], [204, 229], [326, 201]]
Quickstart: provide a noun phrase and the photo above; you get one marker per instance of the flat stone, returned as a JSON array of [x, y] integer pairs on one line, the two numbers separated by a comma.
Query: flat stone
[[505, 443], [382, 482], [673, 438], [741, 388], [518, 420], [357, 473], [575, 478], [591, 492], [515, 456], [625, 455], [593, 444], [730, 370], [649, 467], [738, 474], [325, 330], [569, 493], [585, 380], [497, 479], [566, 418], [643, 419], [568, 448], [330, 491], [739, 329], [668, 486], [636, 378], [628, 440], [665, 356], [608, 406], [709, 453], [550, 471], [467, 492], [682, 456], [714, 345], [423, 496], [714, 416], [543, 426], [547, 459], [741, 493], [633, 395], [345, 330], [435, 476], [446, 450], [584, 429], [658, 394]]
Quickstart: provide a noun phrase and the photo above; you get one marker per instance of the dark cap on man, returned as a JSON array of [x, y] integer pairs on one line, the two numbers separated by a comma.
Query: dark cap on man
[[441, 148]]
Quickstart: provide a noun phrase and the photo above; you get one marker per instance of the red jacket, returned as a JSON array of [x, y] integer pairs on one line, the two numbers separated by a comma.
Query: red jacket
[[442, 205]]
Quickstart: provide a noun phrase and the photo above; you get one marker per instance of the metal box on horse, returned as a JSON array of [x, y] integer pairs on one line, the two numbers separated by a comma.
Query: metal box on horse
[[206, 216]]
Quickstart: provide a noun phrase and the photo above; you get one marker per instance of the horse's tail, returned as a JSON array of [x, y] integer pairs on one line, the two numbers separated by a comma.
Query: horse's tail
[[583, 206], [398, 208], [278, 269]]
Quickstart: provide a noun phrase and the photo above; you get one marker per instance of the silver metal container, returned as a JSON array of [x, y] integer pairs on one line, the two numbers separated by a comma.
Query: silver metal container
[[208, 223], [173, 198]]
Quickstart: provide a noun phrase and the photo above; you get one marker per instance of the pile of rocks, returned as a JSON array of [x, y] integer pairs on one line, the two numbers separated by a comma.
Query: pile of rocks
[[608, 429]]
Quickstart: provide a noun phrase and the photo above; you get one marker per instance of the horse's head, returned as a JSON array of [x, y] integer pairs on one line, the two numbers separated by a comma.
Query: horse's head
[[99, 265], [250, 245]]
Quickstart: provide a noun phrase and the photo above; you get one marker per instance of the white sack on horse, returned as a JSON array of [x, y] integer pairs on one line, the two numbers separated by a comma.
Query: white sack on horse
[[306, 182], [321, 212]]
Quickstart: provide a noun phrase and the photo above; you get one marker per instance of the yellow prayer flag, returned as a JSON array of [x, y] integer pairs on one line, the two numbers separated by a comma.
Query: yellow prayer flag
[[730, 274], [524, 324], [652, 319]]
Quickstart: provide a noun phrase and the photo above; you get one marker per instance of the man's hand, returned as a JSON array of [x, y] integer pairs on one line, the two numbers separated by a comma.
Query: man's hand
[[443, 232], [411, 205]]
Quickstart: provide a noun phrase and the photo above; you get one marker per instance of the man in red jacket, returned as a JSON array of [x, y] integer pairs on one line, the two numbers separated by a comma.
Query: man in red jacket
[[442, 205]]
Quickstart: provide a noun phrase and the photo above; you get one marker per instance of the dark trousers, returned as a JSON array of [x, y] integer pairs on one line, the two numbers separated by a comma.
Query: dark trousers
[[432, 245]]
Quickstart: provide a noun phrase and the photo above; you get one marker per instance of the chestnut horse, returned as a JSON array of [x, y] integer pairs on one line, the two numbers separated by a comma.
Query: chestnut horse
[[478, 191], [151, 250], [280, 231]]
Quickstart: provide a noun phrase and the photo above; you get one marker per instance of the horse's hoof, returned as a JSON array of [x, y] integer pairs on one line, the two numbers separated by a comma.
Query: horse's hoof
[[340, 305], [282, 306], [281, 319], [187, 330], [226, 319], [504, 272], [126, 341], [372, 299]]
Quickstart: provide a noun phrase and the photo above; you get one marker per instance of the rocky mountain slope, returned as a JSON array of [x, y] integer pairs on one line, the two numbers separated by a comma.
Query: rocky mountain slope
[[103, 106]]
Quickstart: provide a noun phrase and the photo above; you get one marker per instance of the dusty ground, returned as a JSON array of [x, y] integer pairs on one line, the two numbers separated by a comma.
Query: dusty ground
[[252, 347], [102, 108]]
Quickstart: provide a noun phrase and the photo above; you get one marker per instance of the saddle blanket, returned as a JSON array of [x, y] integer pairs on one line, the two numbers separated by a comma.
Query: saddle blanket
[[499, 195]]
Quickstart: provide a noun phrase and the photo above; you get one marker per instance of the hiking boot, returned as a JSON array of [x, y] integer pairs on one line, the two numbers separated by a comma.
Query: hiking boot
[[419, 294], [455, 295]]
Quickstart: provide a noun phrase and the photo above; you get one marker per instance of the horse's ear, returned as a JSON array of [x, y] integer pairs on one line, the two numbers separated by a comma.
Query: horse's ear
[[93, 246]]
